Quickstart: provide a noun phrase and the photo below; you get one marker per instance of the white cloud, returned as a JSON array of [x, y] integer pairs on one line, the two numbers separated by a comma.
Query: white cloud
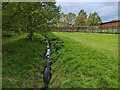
[[106, 10]]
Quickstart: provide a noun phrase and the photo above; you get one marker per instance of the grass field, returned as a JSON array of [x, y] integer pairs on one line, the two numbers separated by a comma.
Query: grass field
[[86, 61], [78, 60], [23, 64]]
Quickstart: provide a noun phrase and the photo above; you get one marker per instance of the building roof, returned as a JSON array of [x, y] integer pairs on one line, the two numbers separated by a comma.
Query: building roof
[[110, 22]]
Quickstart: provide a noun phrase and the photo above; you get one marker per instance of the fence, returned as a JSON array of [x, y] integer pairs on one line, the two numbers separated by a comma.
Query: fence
[[90, 29]]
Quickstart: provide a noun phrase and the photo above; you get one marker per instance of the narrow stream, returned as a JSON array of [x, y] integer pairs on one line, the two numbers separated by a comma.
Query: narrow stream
[[47, 74]]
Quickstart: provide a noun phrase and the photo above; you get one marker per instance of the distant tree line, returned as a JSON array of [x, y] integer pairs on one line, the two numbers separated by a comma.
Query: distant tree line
[[80, 20]]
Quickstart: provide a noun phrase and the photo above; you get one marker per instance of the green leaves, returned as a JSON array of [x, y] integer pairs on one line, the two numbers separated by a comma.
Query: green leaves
[[30, 16], [39, 37], [94, 19], [81, 18], [67, 19], [55, 44]]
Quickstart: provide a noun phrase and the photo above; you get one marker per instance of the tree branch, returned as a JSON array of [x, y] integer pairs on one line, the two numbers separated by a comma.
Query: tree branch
[[6, 4]]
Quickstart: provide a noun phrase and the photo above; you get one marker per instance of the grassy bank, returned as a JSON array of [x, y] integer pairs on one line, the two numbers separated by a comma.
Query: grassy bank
[[86, 61], [23, 64], [9, 39]]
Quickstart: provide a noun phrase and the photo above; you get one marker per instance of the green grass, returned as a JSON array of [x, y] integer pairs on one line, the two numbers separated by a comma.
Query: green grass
[[23, 64], [8, 39], [86, 61], [109, 31]]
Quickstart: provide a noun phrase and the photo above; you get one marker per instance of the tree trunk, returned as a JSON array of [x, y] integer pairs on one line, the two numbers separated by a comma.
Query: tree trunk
[[31, 35]]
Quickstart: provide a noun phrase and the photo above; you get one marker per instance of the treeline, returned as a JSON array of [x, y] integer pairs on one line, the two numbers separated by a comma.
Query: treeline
[[29, 17], [79, 20], [33, 17]]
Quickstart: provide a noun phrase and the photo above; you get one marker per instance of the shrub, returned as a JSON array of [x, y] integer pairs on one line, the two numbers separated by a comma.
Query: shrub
[[55, 44], [8, 33], [39, 37]]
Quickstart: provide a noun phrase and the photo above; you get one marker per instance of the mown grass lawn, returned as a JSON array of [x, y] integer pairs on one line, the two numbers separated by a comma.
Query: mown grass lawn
[[23, 64], [86, 61]]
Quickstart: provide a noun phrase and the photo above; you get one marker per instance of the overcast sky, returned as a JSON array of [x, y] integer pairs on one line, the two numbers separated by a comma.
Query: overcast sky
[[106, 10]]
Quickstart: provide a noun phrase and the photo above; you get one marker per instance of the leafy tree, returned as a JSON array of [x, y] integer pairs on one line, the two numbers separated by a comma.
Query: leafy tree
[[66, 19], [70, 18], [62, 20], [10, 19], [81, 18], [94, 19], [30, 16]]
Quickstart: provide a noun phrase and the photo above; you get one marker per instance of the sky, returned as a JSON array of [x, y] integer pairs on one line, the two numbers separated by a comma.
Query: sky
[[106, 10]]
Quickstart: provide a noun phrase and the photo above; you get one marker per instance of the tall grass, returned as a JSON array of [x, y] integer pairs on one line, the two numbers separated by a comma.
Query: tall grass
[[23, 64], [86, 61]]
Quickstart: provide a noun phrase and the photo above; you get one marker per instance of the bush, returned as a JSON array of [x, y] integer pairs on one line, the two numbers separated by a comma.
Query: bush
[[55, 44], [10, 30], [51, 37], [78, 28], [39, 37], [8, 33]]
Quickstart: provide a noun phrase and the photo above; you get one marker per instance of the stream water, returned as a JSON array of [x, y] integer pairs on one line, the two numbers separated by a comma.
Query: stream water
[[47, 74]]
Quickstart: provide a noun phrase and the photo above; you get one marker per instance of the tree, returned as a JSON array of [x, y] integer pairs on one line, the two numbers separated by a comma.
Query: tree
[[66, 19], [70, 18], [10, 19], [81, 18], [62, 20], [33, 16], [94, 19]]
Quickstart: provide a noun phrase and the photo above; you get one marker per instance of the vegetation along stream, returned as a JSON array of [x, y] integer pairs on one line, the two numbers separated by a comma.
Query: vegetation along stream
[[47, 74]]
